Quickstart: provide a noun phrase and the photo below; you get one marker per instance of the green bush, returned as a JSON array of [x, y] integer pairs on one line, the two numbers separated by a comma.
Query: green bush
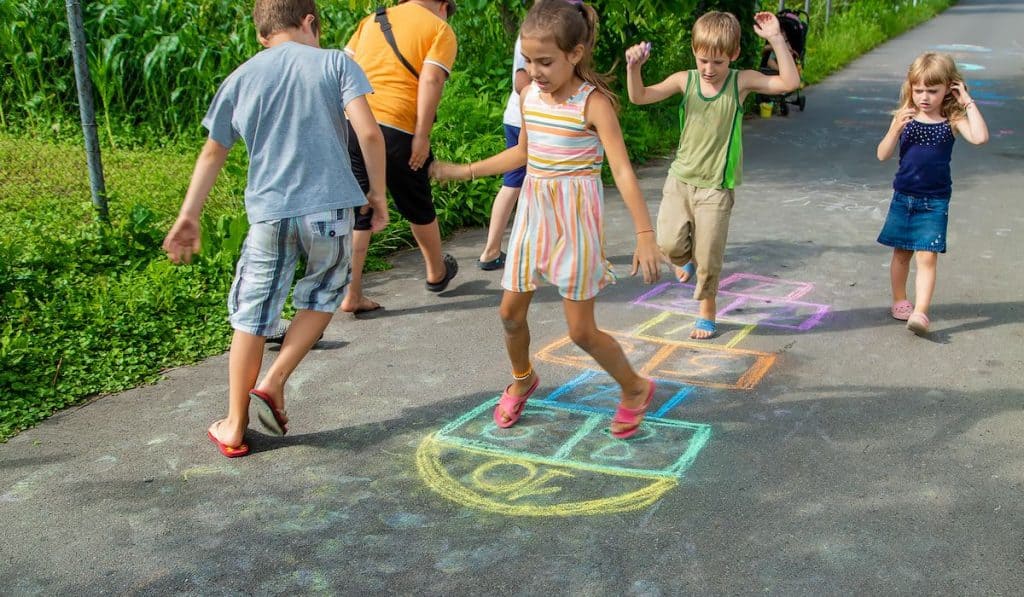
[[88, 309]]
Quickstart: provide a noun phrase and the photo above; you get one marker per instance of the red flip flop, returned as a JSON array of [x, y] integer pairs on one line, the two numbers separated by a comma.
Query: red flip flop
[[229, 451], [512, 406], [632, 415], [271, 418]]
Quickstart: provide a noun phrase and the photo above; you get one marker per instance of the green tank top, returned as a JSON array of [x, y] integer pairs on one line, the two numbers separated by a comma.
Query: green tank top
[[710, 153]]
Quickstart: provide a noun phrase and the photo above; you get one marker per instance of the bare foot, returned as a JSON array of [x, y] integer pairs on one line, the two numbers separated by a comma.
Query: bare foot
[[360, 305], [226, 434], [633, 400]]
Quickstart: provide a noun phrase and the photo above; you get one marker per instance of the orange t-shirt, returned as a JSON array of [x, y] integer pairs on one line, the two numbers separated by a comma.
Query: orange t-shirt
[[423, 38]]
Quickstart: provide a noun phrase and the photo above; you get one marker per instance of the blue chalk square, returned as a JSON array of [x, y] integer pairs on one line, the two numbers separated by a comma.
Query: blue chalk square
[[660, 447], [540, 432], [596, 391]]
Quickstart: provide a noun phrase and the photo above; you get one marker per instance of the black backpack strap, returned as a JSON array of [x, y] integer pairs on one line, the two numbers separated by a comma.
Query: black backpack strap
[[385, 28]]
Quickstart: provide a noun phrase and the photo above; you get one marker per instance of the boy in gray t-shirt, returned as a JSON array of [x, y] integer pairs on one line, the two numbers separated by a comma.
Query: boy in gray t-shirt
[[289, 104]]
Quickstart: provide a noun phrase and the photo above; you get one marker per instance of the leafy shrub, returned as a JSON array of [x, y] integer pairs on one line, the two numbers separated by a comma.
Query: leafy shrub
[[87, 309]]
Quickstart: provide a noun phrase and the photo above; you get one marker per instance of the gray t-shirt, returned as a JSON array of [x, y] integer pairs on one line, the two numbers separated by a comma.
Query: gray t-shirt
[[287, 104]]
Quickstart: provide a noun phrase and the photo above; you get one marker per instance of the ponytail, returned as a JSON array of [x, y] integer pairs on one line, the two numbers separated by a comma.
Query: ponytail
[[585, 68]]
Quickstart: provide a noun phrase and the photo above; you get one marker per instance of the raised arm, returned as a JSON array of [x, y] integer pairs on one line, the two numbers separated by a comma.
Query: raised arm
[[639, 94], [972, 127], [601, 116], [766, 25]]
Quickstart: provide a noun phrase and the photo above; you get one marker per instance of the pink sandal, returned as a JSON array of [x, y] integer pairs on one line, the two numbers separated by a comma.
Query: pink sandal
[[512, 406], [918, 323], [901, 310], [632, 416]]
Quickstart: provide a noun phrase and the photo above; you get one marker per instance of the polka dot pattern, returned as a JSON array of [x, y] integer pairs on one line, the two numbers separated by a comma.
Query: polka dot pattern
[[923, 133], [925, 152]]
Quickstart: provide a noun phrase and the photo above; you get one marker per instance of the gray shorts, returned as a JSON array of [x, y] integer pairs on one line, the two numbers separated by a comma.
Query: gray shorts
[[267, 266]]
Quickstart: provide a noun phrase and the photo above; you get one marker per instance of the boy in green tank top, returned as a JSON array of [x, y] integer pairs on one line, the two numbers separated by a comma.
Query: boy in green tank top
[[697, 200]]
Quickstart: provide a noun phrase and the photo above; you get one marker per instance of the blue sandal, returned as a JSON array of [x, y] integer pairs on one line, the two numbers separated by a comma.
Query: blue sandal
[[689, 269], [704, 325]]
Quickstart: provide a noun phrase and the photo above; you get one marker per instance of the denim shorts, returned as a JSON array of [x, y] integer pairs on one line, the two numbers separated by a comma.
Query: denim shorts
[[513, 178], [268, 262], [916, 223]]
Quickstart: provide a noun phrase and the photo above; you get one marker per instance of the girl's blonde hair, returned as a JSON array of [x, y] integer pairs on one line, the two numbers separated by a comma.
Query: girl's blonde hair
[[933, 68], [570, 24]]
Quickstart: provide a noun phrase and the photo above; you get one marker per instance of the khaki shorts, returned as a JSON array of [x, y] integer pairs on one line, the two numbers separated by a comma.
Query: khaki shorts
[[693, 223]]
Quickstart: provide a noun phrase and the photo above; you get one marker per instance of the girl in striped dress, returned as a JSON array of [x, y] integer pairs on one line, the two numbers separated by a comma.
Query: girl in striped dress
[[569, 123]]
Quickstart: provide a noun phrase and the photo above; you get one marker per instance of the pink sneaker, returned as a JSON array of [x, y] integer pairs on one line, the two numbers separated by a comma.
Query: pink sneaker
[[901, 310]]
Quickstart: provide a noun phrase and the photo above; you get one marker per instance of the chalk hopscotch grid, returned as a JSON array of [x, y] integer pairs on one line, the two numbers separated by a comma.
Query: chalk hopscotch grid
[[588, 437], [676, 298], [663, 350], [593, 421]]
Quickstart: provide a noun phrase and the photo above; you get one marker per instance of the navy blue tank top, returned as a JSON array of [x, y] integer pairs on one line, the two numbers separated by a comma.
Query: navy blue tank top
[[925, 151]]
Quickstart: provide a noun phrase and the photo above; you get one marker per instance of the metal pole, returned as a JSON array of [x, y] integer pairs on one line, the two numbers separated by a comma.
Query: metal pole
[[807, 6], [86, 109], [828, 10]]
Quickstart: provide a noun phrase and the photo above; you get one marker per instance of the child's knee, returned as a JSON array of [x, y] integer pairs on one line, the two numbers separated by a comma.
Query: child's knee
[[511, 321], [926, 258], [585, 337]]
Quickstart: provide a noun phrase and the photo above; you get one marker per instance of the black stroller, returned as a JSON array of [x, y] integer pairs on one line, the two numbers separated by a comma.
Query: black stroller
[[794, 25]]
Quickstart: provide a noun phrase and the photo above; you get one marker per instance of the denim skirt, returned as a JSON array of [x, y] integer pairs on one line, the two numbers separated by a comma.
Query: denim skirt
[[916, 223]]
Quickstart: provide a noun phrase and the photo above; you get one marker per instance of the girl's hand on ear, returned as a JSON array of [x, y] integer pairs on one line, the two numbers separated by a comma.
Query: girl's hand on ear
[[959, 91]]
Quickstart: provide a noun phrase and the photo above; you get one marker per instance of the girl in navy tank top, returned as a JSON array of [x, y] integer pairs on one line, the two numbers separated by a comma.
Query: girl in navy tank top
[[934, 107]]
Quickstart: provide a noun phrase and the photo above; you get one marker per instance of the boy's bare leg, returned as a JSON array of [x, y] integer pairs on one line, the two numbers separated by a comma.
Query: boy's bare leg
[[303, 333], [504, 202], [899, 270], [244, 362], [354, 299], [428, 237], [606, 351], [513, 311], [924, 283], [708, 310]]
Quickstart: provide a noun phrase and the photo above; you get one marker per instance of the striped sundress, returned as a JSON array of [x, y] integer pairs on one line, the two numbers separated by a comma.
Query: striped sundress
[[558, 231]]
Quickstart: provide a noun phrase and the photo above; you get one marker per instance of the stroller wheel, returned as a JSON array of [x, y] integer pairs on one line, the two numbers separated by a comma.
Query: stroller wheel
[[801, 101], [784, 107]]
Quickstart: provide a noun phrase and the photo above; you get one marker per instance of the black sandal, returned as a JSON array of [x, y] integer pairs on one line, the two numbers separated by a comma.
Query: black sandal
[[451, 267]]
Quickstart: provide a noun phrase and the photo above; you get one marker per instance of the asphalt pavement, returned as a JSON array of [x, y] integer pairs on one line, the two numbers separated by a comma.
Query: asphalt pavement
[[814, 447]]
